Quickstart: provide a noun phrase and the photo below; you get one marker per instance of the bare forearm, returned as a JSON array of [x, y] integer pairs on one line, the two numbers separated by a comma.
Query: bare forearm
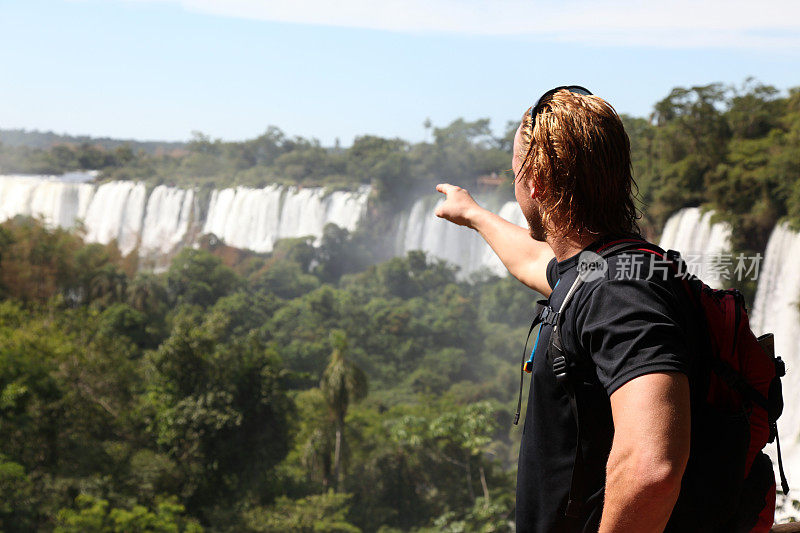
[[525, 258]]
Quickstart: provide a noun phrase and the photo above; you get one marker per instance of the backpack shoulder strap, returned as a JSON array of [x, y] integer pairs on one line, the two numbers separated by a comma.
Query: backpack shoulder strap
[[558, 357], [559, 360], [540, 314]]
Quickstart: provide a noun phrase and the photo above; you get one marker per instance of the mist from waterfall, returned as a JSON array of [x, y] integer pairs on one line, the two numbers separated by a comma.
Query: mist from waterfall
[[420, 229]]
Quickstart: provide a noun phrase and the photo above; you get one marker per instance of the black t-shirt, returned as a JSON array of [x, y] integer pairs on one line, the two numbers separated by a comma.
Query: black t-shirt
[[629, 322]]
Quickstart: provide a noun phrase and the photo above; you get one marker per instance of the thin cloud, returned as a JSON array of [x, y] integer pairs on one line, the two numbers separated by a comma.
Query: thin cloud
[[676, 24]]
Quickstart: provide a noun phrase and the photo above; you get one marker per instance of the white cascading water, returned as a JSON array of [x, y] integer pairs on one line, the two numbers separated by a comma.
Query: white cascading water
[[690, 232], [420, 229], [777, 310], [57, 202], [167, 218], [116, 212], [256, 218], [244, 217], [511, 212]]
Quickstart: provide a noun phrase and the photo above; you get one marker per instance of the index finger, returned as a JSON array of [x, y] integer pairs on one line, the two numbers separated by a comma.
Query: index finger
[[445, 188]]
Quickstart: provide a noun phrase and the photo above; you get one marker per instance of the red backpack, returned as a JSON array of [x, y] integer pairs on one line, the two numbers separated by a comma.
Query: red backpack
[[729, 483]]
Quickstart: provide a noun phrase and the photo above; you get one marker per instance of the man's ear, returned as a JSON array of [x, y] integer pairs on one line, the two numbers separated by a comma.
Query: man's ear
[[533, 193]]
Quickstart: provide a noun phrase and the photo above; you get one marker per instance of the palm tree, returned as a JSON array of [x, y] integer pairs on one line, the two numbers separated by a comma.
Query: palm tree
[[342, 382]]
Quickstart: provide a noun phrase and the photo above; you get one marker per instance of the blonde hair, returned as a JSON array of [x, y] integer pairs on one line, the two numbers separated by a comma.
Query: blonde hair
[[577, 156]]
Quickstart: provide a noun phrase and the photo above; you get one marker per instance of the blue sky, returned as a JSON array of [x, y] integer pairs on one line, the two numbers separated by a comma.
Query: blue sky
[[159, 69]]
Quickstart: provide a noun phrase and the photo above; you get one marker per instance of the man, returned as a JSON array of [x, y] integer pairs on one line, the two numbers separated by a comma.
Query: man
[[625, 331]]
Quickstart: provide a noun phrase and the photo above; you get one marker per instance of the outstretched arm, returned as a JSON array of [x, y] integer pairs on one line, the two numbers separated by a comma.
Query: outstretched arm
[[525, 258]]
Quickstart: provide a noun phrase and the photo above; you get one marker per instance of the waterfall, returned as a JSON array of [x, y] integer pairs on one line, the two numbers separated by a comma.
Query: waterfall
[[56, 202], [776, 310], [688, 231], [116, 212], [701, 243], [256, 218], [111, 211], [420, 229], [168, 218], [247, 218]]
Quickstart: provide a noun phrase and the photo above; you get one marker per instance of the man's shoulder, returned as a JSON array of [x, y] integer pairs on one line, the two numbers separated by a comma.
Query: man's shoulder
[[633, 323], [634, 278]]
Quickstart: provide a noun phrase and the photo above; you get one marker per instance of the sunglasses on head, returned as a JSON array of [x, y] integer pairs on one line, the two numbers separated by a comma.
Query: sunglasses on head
[[577, 89]]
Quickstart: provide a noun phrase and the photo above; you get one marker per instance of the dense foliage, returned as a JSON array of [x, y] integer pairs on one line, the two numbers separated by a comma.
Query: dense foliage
[[735, 150], [272, 393], [313, 388]]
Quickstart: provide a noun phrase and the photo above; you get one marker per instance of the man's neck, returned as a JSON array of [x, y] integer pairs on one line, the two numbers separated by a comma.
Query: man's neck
[[567, 246]]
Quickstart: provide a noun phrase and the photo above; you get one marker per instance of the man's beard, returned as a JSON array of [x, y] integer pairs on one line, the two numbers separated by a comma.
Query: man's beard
[[536, 224]]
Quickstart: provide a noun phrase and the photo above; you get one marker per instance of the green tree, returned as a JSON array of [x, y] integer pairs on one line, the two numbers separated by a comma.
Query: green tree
[[215, 404], [690, 140], [196, 277], [342, 383], [321, 512], [96, 515], [17, 501]]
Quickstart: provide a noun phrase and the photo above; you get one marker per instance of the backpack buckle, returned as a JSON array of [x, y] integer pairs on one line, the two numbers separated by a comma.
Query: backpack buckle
[[780, 367], [560, 368]]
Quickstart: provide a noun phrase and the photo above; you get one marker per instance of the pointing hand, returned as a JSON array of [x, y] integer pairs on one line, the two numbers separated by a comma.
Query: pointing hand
[[458, 206]]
